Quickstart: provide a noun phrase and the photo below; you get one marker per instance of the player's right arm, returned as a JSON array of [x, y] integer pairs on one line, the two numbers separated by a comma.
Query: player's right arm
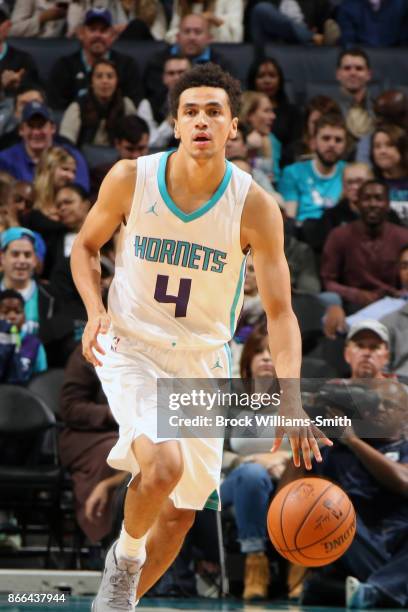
[[111, 209]]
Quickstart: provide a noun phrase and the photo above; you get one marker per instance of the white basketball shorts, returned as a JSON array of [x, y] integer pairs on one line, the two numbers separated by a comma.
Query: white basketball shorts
[[129, 380]]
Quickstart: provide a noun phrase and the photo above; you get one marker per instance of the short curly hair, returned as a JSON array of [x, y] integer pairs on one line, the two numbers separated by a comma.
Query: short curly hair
[[207, 75]]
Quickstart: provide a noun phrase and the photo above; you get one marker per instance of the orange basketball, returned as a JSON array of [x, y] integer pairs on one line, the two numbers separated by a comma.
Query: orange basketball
[[311, 522]]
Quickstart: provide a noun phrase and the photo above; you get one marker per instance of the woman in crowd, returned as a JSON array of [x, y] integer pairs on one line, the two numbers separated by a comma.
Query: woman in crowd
[[250, 483], [389, 155], [225, 18], [91, 120], [55, 169], [266, 76], [264, 149]]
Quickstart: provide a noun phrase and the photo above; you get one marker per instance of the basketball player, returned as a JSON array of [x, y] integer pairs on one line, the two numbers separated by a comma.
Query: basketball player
[[187, 220]]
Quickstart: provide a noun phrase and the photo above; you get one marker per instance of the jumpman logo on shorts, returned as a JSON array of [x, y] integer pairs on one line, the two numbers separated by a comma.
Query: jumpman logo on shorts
[[152, 210], [217, 364]]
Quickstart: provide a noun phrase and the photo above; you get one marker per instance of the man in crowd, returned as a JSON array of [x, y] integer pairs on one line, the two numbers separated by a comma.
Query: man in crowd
[[360, 259], [373, 23], [193, 42], [70, 75], [309, 187], [23, 95], [37, 131], [370, 462], [353, 75], [397, 322], [16, 66], [131, 141]]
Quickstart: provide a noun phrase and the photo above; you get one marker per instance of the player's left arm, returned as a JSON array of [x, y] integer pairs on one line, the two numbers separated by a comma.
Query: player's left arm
[[262, 231]]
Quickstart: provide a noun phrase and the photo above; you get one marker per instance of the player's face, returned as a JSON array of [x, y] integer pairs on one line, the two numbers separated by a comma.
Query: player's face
[[366, 354], [353, 73], [12, 310], [330, 144], [204, 122]]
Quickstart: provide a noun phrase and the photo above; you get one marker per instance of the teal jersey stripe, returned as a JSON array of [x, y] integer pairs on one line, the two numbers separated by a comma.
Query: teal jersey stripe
[[187, 217], [233, 313], [213, 501], [229, 357]]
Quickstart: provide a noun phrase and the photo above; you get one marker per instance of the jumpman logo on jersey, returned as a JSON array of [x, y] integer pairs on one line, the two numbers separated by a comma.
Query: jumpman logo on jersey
[[152, 210], [217, 364]]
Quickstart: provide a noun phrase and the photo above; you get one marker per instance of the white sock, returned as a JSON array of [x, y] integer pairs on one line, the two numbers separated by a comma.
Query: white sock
[[131, 548]]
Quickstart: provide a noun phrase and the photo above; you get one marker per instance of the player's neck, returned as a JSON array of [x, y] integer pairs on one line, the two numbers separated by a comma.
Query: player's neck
[[195, 176]]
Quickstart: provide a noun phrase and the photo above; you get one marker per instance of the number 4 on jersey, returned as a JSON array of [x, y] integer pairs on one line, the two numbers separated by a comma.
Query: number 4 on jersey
[[180, 300]]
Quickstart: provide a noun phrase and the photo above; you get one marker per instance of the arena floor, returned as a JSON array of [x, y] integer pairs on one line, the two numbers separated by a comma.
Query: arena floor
[[83, 604]]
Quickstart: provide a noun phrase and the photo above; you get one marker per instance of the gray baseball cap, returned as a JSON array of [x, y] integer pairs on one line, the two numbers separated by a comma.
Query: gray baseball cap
[[372, 325]]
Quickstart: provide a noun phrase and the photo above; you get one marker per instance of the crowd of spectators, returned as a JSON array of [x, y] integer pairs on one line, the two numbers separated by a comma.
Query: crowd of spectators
[[336, 163]]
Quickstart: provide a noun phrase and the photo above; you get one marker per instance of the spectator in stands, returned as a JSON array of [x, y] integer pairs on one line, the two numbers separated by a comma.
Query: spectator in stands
[[309, 187], [315, 232], [266, 76], [264, 149], [236, 149], [72, 205], [397, 322], [20, 202], [16, 67], [301, 22], [69, 76], [131, 139], [89, 434], [360, 259], [373, 23], [193, 41], [316, 107], [55, 169], [161, 124], [250, 483], [24, 95], [18, 261], [372, 470], [389, 154], [26, 355], [37, 131], [353, 75], [225, 19], [92, 118], [44, 18]]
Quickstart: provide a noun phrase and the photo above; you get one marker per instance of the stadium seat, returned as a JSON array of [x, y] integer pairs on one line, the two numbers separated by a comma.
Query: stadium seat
[[48, 387], [29, 470], [96, 155]]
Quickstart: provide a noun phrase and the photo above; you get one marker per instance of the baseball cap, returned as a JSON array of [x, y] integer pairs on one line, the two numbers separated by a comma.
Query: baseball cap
[[15, 233], [98, 14], [4, 10], [34, 109], [370, 324]]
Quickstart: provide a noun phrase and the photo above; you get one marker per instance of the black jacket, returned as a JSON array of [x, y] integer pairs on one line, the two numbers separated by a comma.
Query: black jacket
[[69, 78], [15, 60]]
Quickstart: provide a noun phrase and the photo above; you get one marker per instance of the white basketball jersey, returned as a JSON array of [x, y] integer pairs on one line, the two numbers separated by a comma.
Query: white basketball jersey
[[179, 277]]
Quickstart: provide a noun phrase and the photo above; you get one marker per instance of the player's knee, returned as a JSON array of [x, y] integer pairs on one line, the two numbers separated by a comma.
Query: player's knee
[[164, 476], [182, 521]]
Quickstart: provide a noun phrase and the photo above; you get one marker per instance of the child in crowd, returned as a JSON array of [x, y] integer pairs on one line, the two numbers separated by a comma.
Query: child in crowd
[[21, 355]]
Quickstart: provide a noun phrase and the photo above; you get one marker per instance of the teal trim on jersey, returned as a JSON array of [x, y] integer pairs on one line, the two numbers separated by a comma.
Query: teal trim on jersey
[[187, 217], [236, 298], [213, 501], [229, 357]]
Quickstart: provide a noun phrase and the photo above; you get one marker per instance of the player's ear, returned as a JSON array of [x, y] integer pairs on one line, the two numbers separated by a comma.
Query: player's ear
[[176, 129], [233, 129]]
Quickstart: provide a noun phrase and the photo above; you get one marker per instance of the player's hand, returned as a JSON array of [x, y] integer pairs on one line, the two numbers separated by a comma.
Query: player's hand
[[98, 324], [303, 440]]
